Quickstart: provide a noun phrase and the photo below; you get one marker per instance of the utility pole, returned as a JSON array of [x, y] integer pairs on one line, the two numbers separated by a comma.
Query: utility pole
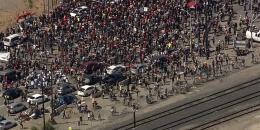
[[134, 120], [134, 110]]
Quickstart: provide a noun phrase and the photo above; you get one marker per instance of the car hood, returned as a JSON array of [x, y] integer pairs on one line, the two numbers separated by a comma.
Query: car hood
[[73, 14]]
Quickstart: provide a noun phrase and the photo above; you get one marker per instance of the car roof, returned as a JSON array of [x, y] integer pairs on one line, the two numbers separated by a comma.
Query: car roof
[[65, 85], [86, 86], [83, 7], [115, 66], [15, 103], [68, 95], [13, 89], [4, 72], [140, 65], [4, 121], [36, 95], [13, 35]]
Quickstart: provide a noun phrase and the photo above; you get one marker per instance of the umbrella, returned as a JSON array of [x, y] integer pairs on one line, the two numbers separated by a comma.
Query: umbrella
[[192, 4]]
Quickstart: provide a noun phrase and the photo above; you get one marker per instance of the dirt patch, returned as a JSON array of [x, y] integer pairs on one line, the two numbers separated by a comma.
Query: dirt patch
[[11, 9]]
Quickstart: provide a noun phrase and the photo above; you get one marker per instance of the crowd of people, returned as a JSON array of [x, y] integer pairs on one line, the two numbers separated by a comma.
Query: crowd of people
[[170, 37]]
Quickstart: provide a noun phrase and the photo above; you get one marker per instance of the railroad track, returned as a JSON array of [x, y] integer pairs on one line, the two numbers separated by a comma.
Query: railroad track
[[223, 106], [191, 104], [228, 117]]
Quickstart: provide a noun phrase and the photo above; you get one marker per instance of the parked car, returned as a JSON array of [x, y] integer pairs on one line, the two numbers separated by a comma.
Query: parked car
[[16, 107], [9, 75], [4, 56], [12, 93], [1, 46], [2, 118], [115, 69], [114, 78], [91, 79], [65, 88], [253, 35], [69, 99], [78, 11], [37, 98], [6, 124], [86, 90], [58, 105], [12, 40]]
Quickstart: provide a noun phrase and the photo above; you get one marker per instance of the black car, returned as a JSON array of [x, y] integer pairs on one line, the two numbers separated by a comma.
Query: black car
[[9, 75], [69, 99], [12, 93], [1, 46], [114, 78], [58, 105], [65, 88], [2, 118], [91, 79]]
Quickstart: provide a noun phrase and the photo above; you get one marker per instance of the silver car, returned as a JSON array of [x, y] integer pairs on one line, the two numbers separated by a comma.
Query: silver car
[[16, 107], [5, 125]]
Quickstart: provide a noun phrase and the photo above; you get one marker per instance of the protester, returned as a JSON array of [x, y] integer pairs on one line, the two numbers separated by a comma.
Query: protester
[[168, 37]]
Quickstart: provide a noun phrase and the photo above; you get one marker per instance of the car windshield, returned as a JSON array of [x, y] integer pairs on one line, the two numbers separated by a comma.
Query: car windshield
[[81, 89], [58, 102], [2, 118], [31, 97], [6, 40]]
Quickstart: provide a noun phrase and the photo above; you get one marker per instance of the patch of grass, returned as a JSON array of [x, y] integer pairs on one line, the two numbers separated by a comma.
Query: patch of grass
[[34, 128], [30, 2], [49, 126]]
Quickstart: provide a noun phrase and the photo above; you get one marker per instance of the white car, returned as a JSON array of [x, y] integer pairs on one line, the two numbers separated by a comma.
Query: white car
[[115, 69], [5, 125], [85, 90], [253, 35], [37, 98], [12, 40], [78, 11], [4, 56]]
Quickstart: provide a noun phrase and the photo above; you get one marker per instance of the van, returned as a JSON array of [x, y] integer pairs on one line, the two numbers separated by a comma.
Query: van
[[12, 40]]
